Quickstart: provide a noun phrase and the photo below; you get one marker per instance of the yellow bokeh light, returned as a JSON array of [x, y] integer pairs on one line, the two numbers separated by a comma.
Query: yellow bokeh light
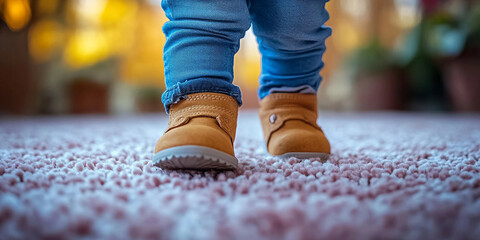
[[98, 27], [248, 62], [84, 13], [44, 38], [85, 48], [16, 13], [118, 20], [142, 63], [346, 36], [46, 6], [117, 10]]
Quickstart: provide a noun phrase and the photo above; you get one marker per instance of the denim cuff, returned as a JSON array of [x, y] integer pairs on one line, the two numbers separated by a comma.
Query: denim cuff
[[182, 89]]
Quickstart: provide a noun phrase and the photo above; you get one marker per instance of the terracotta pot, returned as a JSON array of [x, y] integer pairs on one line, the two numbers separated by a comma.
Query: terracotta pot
[[462, 79], [149, 105], [384, 90], [88, 96]]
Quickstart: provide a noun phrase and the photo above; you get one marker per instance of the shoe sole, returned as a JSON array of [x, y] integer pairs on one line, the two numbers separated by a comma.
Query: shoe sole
[[301, 155], [194, 157], [305, 155]]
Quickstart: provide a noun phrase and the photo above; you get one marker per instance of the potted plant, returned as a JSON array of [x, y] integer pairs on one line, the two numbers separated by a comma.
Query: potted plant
[[441, 56], [379, 82], [149, 99], [454, 41]]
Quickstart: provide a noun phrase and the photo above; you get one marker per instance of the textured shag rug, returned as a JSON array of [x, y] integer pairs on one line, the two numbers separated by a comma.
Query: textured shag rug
[[391, 176]]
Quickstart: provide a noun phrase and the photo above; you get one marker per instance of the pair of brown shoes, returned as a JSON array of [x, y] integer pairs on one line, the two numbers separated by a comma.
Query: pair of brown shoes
[[201, 130]]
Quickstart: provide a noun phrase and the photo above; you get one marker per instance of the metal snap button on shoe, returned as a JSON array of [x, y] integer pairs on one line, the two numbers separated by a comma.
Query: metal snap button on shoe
[[273, 118]]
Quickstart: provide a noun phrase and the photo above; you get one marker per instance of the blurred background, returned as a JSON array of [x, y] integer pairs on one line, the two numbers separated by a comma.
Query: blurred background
[[105, 56]]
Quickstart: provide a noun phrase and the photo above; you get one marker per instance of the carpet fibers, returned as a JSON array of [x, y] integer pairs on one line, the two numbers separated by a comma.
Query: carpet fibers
[[390, 176]]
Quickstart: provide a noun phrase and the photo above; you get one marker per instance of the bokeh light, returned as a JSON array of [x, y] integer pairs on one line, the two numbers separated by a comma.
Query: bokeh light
[[17, 13], [117, 47]]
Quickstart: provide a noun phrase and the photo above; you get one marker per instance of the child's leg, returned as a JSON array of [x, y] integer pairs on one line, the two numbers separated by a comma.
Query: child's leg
[[202, 39], [291, 36]]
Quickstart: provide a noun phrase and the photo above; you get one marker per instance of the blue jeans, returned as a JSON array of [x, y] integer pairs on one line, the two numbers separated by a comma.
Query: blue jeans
[[204, 35]]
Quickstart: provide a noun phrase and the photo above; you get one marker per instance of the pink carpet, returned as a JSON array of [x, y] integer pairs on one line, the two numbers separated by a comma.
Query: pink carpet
[[391, 176]]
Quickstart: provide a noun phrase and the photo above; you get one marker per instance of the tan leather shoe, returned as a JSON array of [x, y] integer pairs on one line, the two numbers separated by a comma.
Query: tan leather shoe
[[289, 122], [200, 134]]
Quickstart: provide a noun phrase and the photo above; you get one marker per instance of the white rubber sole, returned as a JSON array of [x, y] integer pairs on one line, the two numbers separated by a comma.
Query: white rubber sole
[[301, 155], [305, 155], [194, 157]]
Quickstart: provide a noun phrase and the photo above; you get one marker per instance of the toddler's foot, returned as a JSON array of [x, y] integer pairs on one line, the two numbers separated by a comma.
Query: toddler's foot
[[200, 134], [289, 122]]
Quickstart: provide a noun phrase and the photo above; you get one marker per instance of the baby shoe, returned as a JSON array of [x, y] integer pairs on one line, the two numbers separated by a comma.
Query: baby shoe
[[200, 133], [289, 122]]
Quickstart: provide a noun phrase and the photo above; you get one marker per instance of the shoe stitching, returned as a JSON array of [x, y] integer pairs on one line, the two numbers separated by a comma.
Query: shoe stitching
[[288, 96], [174, 114], [210, 97]]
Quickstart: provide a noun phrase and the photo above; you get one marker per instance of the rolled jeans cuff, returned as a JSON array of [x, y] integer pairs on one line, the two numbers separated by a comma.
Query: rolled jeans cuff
[[182, 89]]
